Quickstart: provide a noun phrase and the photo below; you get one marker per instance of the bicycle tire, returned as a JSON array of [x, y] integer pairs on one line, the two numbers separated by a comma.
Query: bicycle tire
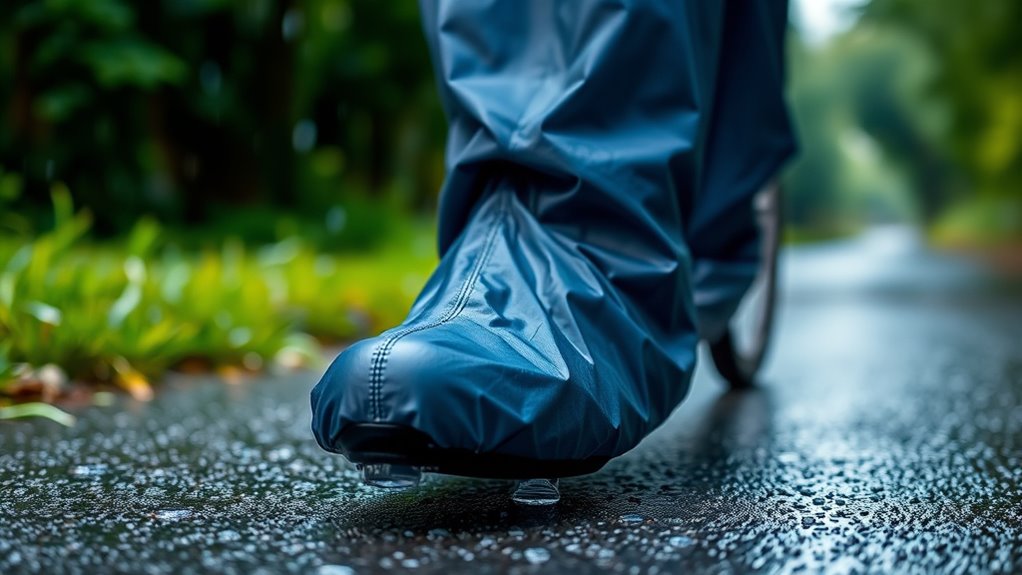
[[737, 365]]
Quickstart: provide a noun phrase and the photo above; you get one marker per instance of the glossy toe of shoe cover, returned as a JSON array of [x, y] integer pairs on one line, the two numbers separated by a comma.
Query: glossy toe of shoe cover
[[518, 346]]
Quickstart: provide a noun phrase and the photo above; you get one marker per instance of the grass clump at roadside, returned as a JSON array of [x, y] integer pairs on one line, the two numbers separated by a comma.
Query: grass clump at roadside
[[981, 222], [123, 314]]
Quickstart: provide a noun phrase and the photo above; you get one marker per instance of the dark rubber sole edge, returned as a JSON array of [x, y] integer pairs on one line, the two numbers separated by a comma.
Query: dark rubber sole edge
[[385, 443]]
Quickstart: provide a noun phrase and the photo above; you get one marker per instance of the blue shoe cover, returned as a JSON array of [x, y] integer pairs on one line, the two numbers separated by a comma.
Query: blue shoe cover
[[560, 325]]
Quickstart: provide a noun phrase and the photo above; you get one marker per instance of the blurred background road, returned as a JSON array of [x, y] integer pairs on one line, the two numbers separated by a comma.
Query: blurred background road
[[887, 437]]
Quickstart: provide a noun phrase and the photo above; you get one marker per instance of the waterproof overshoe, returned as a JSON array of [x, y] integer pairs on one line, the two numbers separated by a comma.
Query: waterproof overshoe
[[559, 328], [520, 359]]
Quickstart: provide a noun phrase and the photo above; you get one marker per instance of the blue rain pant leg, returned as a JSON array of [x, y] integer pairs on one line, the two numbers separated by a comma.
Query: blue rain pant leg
[[749, 139], [560, 323]]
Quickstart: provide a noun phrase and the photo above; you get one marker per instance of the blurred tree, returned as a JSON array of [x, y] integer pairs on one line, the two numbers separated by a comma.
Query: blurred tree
[[326, 110], [977, 45], [814, 185], [870, 137], [178, 106], [936, 88], [372, 102], [884, 82], [78, 81]]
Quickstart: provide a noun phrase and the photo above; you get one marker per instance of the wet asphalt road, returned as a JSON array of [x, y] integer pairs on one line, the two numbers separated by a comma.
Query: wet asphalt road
[[887, 438]]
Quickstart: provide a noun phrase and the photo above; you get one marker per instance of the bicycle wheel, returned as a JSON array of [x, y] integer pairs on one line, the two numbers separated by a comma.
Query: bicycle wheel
[[739, 354]]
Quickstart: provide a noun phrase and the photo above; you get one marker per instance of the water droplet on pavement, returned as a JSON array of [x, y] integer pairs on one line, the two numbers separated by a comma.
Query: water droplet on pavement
[[93, 470], [632, 519], [537, 555], [681, 541], [173, 514]]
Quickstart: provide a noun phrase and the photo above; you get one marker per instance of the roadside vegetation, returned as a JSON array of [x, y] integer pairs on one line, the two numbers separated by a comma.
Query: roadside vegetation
[[123, 313], [914, 114]]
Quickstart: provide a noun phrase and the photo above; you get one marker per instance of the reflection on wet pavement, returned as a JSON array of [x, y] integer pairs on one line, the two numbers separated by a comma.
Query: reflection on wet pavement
[[887, 437]]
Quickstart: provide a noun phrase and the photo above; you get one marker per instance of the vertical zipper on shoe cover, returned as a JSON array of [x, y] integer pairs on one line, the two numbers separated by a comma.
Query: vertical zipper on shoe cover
[[382, 351]]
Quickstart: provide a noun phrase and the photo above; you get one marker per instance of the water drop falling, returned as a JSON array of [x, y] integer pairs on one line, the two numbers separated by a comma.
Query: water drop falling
[[536, 492], [390, 476]]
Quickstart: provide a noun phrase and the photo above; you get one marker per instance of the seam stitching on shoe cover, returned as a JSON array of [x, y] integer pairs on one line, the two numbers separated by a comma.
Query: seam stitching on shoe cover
[[382, 353]]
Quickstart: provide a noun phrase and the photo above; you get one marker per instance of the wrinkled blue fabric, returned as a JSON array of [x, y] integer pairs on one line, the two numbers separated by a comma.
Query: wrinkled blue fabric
[[595, 221]]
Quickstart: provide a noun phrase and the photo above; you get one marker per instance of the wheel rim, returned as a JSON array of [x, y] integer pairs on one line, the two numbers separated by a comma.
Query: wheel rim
[[752, 323]]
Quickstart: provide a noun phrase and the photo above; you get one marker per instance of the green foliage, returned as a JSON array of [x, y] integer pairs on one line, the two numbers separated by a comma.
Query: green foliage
[[190, 109], [125, 314], [181, 109], [843, 95], [981, 222], [813, 185], [915, 112], [37, 409], [979, 77], [966, 167]]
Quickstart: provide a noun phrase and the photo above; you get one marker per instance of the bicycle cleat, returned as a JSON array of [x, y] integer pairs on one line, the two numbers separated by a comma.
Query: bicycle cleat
[[536, 492], [389, 476]]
